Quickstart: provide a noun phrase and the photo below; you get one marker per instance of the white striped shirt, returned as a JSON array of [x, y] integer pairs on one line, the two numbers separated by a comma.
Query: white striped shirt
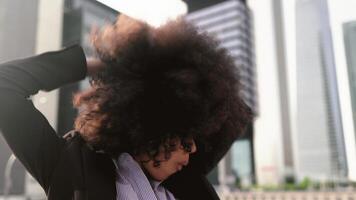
[[133, 184]]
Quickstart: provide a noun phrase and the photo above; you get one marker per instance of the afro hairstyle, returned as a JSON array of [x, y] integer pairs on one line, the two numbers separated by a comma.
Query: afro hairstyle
[[159, 84]]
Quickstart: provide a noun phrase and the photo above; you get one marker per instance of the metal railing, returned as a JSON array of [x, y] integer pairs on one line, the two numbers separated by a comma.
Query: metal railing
[[289, 195]]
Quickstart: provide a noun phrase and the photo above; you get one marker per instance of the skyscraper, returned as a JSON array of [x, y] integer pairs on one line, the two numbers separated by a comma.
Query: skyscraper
[[350, 46], [302, 128], [342, 18], [319, 145], [273, 153], [349, 30]]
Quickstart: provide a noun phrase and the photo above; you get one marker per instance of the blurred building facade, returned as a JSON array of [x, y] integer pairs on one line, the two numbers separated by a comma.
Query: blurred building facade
[[319, 127], [14, 44], [304, 124], [273, 149], [349, 33], [350, 48], [24, 32], [328, 27]]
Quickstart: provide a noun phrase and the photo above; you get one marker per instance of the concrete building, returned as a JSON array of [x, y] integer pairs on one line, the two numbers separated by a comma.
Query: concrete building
[[274, 158], [305, 126], [14, 44], [24, 32], [341, 17], [320, 145], [350, 50]]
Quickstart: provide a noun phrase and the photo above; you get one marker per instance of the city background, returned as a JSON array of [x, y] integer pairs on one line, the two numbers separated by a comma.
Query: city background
[[297, 61]]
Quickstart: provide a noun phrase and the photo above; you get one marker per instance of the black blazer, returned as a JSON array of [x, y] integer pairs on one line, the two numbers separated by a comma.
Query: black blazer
[[67, 168]]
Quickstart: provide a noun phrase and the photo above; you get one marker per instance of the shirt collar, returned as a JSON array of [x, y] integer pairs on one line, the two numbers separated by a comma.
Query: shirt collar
[[155, 184], [126, 157]]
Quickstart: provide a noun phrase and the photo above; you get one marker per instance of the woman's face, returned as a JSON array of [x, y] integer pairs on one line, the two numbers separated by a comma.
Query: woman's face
[[179, 158]]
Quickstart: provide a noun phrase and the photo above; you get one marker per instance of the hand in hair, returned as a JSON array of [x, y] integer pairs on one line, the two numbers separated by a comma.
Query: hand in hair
[[94, 65]]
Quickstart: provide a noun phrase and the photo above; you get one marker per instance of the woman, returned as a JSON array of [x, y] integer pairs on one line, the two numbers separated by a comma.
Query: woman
[[162, 110]]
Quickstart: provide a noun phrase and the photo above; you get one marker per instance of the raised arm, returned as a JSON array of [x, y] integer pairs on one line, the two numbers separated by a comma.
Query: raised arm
[[25, 129]]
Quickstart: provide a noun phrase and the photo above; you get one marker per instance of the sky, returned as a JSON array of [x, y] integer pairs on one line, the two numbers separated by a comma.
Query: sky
[[154, 12]]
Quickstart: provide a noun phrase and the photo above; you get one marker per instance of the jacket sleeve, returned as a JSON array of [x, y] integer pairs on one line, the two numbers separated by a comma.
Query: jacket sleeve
[[25, 129]]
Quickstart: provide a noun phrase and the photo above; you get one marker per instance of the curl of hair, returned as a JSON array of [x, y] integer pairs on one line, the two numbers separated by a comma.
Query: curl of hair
[[161, 83]]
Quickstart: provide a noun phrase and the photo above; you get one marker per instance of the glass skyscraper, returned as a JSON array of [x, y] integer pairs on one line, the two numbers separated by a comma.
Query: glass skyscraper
[[350, 50], [320, 148]]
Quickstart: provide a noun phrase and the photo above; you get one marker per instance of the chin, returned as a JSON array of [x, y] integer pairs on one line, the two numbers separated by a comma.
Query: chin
[[160, 178], [160, 175]]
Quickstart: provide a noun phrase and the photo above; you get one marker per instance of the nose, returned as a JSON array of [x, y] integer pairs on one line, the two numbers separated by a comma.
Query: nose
[[194, 147]]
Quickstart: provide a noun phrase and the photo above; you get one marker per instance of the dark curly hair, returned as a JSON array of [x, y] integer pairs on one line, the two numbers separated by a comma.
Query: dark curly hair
[[160, 84]]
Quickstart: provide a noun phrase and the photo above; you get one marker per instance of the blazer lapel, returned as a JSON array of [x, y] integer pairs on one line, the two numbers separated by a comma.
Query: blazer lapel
[[190, 184], [100, 175]]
